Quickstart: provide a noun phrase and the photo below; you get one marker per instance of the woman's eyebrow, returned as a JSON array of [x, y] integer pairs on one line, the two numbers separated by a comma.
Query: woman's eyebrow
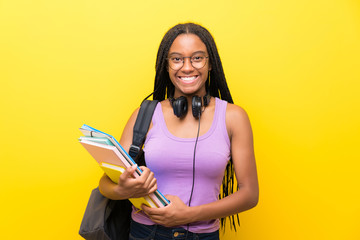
[[176, 53]]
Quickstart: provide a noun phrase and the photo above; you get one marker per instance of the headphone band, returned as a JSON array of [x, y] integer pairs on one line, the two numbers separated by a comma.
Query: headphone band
[[180, 105], [206, 99]]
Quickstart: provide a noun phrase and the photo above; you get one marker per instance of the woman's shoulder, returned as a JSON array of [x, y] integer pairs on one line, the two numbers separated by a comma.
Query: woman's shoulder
[[237, 118], [235, 111]]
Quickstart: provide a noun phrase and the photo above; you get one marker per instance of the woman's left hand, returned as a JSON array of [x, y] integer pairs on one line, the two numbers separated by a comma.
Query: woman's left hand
[[176, 213]]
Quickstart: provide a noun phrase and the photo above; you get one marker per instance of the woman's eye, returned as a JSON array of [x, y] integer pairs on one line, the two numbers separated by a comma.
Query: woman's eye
[[176, 59], [197, 58]]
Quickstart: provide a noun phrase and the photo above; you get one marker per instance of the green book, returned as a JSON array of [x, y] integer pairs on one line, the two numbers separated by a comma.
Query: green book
[[101, 140]]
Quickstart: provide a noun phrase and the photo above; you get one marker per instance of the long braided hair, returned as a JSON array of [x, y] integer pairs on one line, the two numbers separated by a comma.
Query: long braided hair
[[216, 86]]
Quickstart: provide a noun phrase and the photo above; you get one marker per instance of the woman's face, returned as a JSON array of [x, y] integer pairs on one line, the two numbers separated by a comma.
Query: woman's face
[[189, 78]]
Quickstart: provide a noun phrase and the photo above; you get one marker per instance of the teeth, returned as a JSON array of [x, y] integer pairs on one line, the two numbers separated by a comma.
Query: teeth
[[188, 78]]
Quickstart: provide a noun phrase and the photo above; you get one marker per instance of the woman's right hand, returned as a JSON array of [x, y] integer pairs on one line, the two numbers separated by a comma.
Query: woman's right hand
[[137, 187], [128, 186]]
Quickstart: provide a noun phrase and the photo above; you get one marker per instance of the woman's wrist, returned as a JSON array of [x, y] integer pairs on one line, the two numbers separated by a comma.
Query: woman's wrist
[[194, 214], [110, 189]]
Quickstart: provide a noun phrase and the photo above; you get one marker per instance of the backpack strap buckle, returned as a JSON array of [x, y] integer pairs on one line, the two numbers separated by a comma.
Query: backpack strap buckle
[[133, 151]]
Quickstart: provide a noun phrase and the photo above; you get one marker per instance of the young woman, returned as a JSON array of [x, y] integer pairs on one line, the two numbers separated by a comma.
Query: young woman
[[188, 152]]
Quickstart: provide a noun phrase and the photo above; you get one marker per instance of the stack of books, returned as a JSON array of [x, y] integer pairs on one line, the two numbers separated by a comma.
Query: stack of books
[[113, 159]]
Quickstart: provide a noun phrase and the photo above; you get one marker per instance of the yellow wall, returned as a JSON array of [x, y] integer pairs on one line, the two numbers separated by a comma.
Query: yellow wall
[[293, 65]]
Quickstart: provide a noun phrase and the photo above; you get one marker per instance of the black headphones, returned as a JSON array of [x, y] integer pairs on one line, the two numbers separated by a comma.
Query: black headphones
[[180, 105]]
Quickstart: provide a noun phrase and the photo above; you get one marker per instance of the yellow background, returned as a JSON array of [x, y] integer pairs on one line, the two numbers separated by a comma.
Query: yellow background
[[293, 65]]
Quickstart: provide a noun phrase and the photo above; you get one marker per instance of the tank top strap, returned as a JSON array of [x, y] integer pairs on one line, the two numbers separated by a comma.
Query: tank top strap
[[221, 106]]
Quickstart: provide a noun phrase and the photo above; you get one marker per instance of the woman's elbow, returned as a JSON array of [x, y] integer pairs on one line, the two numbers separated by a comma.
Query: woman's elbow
[[252, 199]]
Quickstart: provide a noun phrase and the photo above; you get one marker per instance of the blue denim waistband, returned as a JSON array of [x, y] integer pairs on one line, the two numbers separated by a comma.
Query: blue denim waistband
[[142, 231]]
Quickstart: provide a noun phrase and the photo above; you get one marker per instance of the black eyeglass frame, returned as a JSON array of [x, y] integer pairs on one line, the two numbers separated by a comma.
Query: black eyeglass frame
[[183, 61]]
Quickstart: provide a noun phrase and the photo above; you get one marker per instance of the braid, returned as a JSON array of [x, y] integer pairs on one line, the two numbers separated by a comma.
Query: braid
[[216, 86]]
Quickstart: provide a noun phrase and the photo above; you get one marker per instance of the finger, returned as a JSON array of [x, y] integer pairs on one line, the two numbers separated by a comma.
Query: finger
[[170, 197], [156, 220], [145, 177], [145, 171], [152, 211], [129, 172], [146, 209], [153, 186], [149, 181], [143, 168]]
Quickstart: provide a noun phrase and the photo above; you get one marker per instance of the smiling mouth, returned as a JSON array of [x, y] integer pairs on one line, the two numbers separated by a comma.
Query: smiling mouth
[[188, 79]]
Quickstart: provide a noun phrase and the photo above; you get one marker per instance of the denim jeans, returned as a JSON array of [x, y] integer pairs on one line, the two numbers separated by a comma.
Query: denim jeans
[[140, 231]]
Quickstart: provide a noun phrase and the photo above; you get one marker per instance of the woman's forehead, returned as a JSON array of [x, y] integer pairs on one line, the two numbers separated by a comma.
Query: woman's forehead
[[187, 44]]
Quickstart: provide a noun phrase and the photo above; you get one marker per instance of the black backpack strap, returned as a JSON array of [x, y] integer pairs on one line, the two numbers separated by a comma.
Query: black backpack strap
[[141, 126]]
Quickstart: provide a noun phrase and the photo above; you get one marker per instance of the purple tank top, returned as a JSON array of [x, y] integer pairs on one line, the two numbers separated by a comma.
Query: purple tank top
[[171, 160]]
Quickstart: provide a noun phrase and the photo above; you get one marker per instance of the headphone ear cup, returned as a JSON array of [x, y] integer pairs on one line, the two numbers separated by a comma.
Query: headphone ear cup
[[180, 106], [206, 99], [196, 106]]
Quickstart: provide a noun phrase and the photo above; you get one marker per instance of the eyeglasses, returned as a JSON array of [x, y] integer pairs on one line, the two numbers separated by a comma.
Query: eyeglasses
[[198, 61]]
